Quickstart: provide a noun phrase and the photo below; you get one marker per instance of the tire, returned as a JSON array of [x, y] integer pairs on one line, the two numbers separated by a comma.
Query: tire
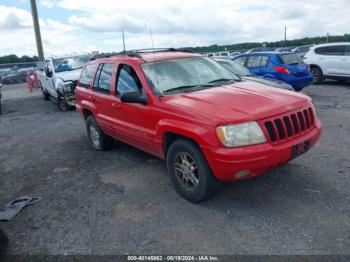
[[198, 183], [3, 242], [317, 75], [98, 139], [62, 103]]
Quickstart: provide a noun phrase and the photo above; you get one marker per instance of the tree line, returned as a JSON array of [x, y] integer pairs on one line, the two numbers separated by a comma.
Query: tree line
[[215, 48], [15, 59], [276, 44]]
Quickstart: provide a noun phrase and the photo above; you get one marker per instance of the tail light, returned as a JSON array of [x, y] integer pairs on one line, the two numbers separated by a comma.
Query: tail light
[[282, 70]]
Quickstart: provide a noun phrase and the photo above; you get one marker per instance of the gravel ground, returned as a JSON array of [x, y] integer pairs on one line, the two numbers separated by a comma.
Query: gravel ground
[[122, 202]]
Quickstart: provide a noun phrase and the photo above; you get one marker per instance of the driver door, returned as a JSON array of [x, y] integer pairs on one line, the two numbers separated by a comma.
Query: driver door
[[49, 81], [133, 122]]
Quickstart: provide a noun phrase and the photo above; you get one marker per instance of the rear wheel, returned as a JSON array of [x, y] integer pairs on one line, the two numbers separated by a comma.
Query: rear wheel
[[189, 171], [317, 75], [98, 139]]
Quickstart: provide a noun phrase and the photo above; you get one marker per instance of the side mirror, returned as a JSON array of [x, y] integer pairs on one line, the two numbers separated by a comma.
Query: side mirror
[[48, 72], [134, 97]]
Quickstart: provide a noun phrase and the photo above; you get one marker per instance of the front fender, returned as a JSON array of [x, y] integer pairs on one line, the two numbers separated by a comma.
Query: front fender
[[201, 134]]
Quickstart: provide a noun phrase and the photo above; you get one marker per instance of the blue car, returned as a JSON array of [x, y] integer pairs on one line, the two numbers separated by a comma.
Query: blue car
[[285, 66]]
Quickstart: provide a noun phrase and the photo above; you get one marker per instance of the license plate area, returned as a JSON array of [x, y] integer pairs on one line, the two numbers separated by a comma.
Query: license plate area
[[300, 148]]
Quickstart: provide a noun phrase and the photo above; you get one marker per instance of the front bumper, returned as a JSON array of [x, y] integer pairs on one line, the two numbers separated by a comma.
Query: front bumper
[[70, 98], [228, 164]]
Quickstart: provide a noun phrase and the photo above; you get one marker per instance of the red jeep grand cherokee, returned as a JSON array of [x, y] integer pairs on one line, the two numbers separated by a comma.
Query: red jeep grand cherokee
[[209, 125]]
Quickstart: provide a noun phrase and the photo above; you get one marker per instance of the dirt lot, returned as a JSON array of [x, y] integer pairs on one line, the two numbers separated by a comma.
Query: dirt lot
[[122, 202]]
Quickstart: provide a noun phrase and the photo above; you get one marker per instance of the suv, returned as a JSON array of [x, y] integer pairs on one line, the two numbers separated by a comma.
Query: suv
[[329, 61], [283, 66], [59, 77], [189, 110]]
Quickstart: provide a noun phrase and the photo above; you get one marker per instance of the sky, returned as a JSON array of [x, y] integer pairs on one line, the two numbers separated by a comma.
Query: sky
[[69, 26]]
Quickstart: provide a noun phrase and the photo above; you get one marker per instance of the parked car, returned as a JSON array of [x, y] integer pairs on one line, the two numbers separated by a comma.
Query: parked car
[[245, 74], [22, 74], [301, 50], [284, 66], [191, 112], [59, 77], [10, 78], [4, 72], [329, 61]]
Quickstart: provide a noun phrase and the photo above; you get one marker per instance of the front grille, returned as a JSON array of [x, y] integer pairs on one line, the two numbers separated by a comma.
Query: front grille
[[292, 124]]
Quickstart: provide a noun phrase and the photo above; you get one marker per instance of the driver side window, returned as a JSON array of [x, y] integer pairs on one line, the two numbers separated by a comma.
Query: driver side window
[[127, 80]]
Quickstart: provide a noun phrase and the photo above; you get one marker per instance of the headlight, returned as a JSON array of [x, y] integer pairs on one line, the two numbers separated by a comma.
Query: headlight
[[67, 86], [244, 134]]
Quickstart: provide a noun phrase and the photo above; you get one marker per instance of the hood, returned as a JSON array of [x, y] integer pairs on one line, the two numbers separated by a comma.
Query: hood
[[239, 102], [71, 75], [273, 83]]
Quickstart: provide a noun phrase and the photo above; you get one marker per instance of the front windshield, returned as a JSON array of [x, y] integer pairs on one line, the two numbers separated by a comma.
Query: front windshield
[[70, 63], [235, 68], [181, 72]]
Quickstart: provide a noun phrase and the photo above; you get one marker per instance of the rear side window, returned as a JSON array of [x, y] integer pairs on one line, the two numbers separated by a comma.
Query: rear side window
[[127, 80], [257, 61], [331, 50], [291, 59], [103, 78], [87, 75], [241, 60]]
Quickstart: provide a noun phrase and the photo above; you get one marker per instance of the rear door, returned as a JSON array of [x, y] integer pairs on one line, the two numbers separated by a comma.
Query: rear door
[[329, 58], [257, 64], [132, 121], [345, 62], [101, 97]]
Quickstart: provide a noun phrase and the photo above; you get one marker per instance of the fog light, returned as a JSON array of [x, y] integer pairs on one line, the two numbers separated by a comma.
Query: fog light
[[242, 173]]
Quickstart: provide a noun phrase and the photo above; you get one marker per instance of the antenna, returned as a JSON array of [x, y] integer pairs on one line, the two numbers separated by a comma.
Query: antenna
[[154, 60], [123, 40]]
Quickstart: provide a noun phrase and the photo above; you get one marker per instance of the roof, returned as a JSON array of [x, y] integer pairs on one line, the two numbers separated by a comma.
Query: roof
[[149, 55], [330, 44]]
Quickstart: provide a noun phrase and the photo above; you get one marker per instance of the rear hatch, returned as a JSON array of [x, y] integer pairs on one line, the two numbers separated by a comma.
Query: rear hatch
[[294, 64]]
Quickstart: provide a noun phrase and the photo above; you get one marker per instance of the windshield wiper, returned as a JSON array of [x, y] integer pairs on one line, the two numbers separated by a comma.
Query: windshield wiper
[[184, 87], [222, 80]]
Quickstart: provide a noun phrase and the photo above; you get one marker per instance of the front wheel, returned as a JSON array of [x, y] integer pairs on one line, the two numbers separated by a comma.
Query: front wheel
[[317, 75], [189, 171], [62, 103]]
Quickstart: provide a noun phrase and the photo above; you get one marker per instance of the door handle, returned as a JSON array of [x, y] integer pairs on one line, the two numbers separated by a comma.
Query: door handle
[[116, 106]]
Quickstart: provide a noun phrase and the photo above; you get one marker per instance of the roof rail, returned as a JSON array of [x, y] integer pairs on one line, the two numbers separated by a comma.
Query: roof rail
[[158, 50], [123, 53], [136, 53]]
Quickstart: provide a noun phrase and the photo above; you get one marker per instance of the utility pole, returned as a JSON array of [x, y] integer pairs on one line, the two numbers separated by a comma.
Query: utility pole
[[327, 37], [123, 40], [39, 44], [285, 35]]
